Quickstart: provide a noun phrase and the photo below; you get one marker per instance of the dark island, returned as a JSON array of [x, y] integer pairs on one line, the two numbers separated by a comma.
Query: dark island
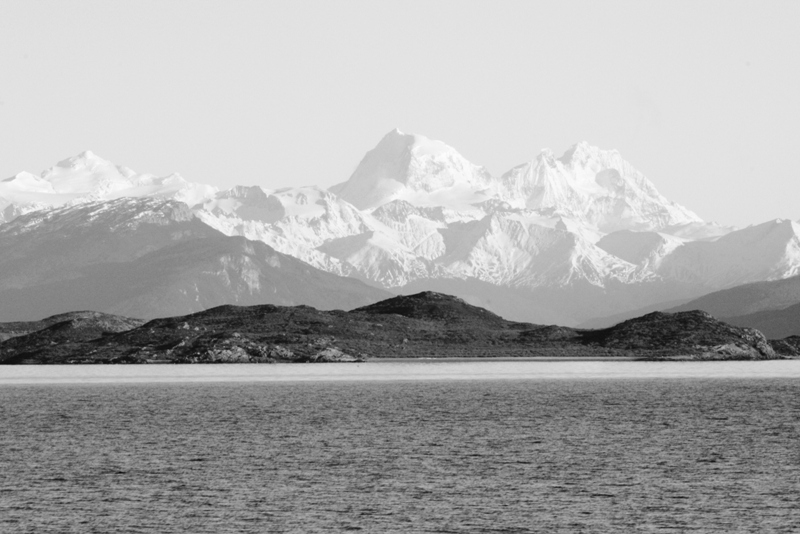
[[425, 325]]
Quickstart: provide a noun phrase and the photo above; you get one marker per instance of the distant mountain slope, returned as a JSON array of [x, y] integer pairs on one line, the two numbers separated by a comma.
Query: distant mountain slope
[[512, 303], [747, 298], [767, 251], [736, 301], [611, 320], [553, 240], [54, 245], [531, 243], [86, 178], [775, 324], [150, 258]]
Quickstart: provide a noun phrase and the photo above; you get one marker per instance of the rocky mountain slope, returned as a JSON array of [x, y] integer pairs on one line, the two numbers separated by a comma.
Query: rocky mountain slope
[[557, 239], [150, 258], [747, 298], [777, 324], [421, 325], [772, 307]]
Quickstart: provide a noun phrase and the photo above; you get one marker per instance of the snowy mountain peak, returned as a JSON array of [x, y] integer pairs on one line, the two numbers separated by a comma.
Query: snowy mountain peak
[[396, 143], [84, 174], [546, 154], [582, 152], [252, 192], [591, 185], [85, 178], [558, 237], [86, 159], [412, 167], [25, 181], [594, 186]]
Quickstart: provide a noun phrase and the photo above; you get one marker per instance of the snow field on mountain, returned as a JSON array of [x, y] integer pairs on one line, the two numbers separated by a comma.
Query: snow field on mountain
[[415, 210]]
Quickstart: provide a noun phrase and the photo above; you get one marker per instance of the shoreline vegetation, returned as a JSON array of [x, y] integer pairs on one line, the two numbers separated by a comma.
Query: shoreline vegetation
[[426, 325]]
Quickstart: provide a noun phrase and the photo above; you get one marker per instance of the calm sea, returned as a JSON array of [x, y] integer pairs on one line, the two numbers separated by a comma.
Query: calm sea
[[402, 447]]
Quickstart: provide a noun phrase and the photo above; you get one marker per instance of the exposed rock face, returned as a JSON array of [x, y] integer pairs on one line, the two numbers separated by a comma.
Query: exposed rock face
[[789, 346], [86, 319], [422, 325], [62, 334], [693, 331]]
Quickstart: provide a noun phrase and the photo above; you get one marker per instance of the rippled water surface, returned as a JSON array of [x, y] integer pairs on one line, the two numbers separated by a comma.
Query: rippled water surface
[[531, 455]]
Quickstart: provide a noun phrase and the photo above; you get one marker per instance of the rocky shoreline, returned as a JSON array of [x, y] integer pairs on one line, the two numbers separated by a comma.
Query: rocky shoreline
[[425, 325]]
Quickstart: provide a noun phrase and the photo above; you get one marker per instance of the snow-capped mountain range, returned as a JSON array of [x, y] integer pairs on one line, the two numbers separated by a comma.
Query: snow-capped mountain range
[[554, 240], [147, 258], [86, 178]]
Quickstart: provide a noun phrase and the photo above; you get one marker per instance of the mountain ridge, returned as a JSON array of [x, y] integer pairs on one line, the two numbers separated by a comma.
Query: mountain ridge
[[148, 258], [777, 323], [416, 214], [747, 299]]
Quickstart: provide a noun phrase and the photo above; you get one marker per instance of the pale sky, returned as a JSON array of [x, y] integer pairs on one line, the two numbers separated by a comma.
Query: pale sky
[[702, 97]]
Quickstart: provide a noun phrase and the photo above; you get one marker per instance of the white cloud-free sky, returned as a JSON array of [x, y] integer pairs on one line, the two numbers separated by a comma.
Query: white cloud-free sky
[[701, 96]]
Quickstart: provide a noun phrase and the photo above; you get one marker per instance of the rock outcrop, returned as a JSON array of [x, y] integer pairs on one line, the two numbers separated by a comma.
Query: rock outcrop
[[423, 325]]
